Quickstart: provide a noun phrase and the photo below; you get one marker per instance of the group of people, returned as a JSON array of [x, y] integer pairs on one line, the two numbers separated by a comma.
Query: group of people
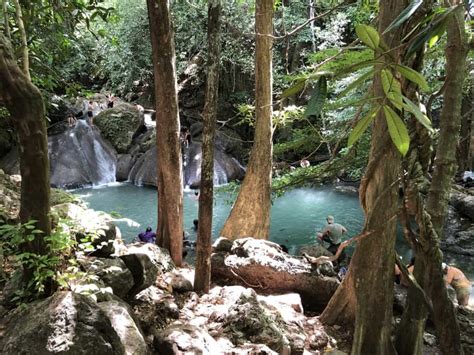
[[333, 233], [91, 108]]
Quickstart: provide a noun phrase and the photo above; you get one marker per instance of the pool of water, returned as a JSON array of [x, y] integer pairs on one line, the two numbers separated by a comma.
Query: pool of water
[[296, 216]]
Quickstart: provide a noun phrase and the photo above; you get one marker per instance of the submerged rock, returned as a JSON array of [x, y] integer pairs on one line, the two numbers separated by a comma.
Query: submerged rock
[[65, 323]]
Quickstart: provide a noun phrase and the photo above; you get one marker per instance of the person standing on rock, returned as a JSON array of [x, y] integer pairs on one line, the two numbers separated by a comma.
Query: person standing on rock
[[461, 284], [332, 233], [90, 112], [110, 100]]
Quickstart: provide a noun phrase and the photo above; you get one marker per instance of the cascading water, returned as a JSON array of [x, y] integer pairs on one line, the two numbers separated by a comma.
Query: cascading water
[[79, 156]]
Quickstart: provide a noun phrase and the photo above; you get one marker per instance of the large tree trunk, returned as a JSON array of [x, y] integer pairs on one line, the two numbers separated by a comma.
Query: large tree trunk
[[371, 269], [25, 104], [444, 170], [202, 278], [169, 169], [250, 215]]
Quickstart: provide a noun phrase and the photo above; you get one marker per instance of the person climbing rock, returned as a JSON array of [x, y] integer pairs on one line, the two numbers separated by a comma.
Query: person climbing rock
[[461, 284], [110, 100], [71, 120], [332, 234], [148, 236]]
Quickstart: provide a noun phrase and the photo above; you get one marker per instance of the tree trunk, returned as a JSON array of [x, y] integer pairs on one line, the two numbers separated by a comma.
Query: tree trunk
[[169, 169], [464, 157], [24, 42], [202, 278], [371, 269], [250, 215], [5, 19], [25, 104], [444, 170]]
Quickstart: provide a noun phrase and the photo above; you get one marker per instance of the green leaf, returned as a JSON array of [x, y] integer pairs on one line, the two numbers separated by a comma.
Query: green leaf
[[368, 35], [362, 126], [293, 90], [404, 15], [357, 82], [387, 80], [413, 76], [396, 98], [397, 129], [433, 41], [318, 97], [415, 110]]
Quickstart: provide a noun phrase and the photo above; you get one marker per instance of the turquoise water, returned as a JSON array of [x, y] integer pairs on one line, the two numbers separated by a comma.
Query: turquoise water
[[295, 217]]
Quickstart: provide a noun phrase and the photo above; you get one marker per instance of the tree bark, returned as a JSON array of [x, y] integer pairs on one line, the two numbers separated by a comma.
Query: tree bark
[[169, 169], [371, 270], [25, 104], [202, 278], [5, 19], [250, 215], [24, 42], [444, 170]]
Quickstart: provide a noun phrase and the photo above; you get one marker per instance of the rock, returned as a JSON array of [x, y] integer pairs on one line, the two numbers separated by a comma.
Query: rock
[[80, 156], [65, 323], [465, 317], [9, 198], [93, 288], [124, 165], [262, 265], [120, 317], [143, 270], [248, 322], [181, 338], [10, 163], [181, 280], [7, 139], [119, 125], [154, 308], [222, 245], [315, 250], [91, 224], [464, 203], [160, 257], [461, 243], [226, 168], [113, 272]]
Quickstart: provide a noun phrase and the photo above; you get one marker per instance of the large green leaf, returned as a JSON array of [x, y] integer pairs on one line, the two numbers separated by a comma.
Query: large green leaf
[[318, 97], [357, 82], [413, 76], [396, 98], [397, 129], [362, 126], [404, 15], [435, 28], [294, 89], [368, 35], [415, 110], [387, 80]]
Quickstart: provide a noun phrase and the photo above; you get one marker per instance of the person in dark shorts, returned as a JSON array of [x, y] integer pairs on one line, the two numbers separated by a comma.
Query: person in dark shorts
[[332, 234], [90, 112]]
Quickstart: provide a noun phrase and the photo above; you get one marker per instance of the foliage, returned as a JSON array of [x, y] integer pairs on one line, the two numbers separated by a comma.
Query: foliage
[[58, 267]]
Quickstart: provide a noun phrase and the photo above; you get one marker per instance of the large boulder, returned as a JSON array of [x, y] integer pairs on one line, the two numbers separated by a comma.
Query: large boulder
[[113, 272], [464, 203], [96, 227], [263, 265], [159, 257], [143, 270], [121, 318], [65, 323], [119, 125], [80, 156]]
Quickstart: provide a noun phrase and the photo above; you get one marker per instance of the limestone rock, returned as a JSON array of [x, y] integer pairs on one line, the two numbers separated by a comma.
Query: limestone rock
[[124, 165], [464, 203], [262, 265], [120, 317], [181, 280], [222, 245], [80, 156], [119, 125], [160, 257], [65, 323], [113, 272], [143, 270], [93, 225], [181, 338]]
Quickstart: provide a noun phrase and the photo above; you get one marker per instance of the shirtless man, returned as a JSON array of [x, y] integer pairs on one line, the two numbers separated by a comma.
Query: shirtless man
[[461, 284]]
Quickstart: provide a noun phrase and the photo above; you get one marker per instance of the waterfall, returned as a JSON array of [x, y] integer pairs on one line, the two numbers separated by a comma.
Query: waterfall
[[105, 167]]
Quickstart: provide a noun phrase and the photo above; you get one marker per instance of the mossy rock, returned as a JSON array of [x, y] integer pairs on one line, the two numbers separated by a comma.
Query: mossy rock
[[119, 125], [59, 197]]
